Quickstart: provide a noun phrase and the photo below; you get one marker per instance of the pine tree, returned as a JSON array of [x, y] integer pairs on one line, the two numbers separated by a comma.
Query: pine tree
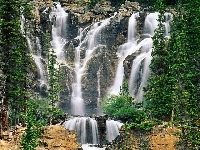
[[184, 67], [158, 98], [14, 55], [174, 81]]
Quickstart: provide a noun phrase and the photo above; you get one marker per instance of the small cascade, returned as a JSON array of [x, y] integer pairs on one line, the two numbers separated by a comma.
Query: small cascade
[[112, 129], [140, 69], [98, 82], [99, 111], [142, 51], [86, 129], [140, 65], [59, 18], [92, 40], [40, 68], [77, 102], [124, 50], [36, 54], [150, 24], [168, 19], [38, 60]]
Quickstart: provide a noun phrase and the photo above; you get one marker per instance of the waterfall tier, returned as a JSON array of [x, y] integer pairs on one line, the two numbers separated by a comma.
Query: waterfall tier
[[89, 130]]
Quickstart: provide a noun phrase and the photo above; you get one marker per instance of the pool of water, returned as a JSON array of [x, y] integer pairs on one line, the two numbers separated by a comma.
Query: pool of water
[[91, 147]]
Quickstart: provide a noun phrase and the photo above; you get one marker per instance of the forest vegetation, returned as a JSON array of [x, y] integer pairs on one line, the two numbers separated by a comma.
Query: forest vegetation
[[172, 93]]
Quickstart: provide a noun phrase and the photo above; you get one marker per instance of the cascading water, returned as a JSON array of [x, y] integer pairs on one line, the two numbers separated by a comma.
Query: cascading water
[[89, 44], [38, 60], [142, 51], [79, 125], [123, 51], [130, 48], [140, 67], [150, 24], [99, 111], [112, 129], [59, 18], [92, 41], [36, 54], [140, 70]]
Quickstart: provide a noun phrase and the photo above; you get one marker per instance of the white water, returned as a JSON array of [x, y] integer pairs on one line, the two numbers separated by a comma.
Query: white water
[[150, 24], [142, 50], [140, 65], [36, 55], [124, 50], [99, 112], [112, 129], [79, 125], [90, 147], [59, 18], [40, 68], [92, 41], [168, 19]]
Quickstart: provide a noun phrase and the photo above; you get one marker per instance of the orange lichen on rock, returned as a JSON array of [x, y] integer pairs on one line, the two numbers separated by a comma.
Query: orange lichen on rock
[[164, 140]]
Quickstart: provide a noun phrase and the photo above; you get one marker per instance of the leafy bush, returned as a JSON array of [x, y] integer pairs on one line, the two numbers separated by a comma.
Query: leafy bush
[[33, 129], [123, 107]]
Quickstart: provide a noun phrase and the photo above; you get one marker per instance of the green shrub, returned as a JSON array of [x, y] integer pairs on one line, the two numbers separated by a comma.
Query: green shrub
[[123, 107], [33, 127]]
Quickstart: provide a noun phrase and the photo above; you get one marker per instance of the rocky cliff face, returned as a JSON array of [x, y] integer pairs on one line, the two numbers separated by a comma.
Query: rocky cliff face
[[58, 138], [101, 68], [54, 138]]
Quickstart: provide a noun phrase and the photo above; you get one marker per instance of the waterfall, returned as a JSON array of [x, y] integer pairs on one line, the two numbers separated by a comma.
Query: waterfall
[[40, 68], [88, 46], [150, 24], [140, 65], [87, 129], [99, 111], [168, 19], [112, 129], [36, 54], [79, 124], [59, 18], [91, 39], [124, 50]]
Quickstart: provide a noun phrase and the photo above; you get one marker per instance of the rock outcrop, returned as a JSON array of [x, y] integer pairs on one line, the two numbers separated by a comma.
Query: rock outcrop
[[54, 137], [58, 138], [158, 139], [102, 65]]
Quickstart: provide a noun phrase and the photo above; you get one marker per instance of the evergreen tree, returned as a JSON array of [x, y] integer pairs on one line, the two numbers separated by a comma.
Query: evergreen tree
[[184, 67], [54, 79], [158, 98], [14, 55], [174, 81]]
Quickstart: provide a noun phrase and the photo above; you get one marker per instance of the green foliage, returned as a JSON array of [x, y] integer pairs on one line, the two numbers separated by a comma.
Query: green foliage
[[33, 128], [173, 89], [159, 104], [123, 107], [184, 67], [92, 3], [15, 58], [143, 126], [54, 80]]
